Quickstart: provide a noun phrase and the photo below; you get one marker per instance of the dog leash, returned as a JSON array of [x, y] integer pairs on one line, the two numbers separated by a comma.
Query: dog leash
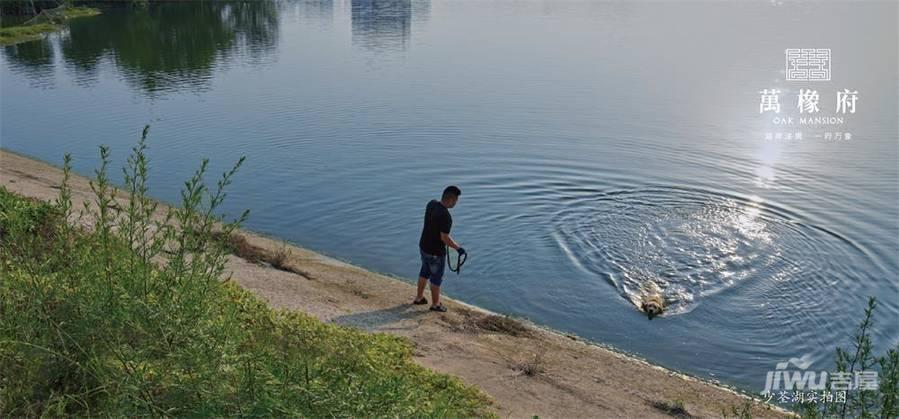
[[460, 260]]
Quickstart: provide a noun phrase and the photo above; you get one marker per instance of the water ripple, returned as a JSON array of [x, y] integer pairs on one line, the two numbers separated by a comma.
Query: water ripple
[[695, 243]]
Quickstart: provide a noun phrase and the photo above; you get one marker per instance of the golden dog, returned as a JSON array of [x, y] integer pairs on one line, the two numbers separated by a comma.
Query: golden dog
[[651, 300]]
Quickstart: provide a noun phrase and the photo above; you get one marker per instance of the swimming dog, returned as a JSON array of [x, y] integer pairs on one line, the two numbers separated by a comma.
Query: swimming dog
[[651, 300]]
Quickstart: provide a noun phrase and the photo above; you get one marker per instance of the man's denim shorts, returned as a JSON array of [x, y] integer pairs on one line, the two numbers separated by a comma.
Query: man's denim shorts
[[432, 268]]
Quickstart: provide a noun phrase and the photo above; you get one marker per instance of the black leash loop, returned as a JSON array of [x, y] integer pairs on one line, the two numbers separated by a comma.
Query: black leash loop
[[460, 260]]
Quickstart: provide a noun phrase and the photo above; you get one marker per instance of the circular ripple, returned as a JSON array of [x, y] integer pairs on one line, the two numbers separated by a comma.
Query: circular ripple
[[695, 243]]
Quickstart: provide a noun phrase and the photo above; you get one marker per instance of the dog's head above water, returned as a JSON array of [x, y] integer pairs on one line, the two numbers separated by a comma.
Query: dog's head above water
[[652, 303]]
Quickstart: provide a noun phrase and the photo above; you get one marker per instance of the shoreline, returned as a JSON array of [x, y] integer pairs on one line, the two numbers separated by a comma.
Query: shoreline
[[17, 34], [527, 369]]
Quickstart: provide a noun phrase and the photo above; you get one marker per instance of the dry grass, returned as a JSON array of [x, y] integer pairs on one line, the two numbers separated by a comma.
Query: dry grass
[[533, 366], [279, 259], [674, 409], [474, 322], [238, 245], [501, 324]]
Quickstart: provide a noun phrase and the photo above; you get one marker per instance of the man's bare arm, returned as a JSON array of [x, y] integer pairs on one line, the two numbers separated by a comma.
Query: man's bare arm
[[449, 241]]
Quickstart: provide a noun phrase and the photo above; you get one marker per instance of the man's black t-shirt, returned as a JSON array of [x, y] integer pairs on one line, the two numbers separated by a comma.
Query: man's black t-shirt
[[437, 220]]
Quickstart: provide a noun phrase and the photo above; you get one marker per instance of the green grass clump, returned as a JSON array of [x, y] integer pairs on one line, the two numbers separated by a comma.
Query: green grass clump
[[81, 11], [22, 33], [16, 34], [132, 317], [881, 402]]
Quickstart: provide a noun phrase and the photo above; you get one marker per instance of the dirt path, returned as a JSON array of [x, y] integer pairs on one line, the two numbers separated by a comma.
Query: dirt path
[[527, 370]]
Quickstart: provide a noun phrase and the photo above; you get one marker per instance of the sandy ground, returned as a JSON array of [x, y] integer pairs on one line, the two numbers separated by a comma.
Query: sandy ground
[[527, 371]]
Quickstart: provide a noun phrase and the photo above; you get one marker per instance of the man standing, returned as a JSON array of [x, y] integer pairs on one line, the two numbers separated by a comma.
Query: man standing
[[434, 237]]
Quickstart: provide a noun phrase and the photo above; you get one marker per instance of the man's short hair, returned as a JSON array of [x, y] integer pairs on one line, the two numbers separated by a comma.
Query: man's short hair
[[451, 190]]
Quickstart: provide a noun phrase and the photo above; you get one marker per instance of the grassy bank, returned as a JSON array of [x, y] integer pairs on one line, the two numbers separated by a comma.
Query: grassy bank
[[22, 33], [131, 317]]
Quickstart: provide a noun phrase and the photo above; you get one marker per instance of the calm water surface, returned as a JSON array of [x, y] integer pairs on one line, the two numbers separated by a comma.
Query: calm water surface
[[598, 145]]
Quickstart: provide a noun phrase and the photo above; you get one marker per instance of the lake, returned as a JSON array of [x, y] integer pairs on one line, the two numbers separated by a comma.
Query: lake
[[598, 145]]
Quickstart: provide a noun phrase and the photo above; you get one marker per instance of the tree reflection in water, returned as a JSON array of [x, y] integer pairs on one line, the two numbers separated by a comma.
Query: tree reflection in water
[[159, 48]]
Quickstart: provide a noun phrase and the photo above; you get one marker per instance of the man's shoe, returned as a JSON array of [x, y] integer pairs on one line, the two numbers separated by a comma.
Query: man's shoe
[[439, 308], [423, 300]]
